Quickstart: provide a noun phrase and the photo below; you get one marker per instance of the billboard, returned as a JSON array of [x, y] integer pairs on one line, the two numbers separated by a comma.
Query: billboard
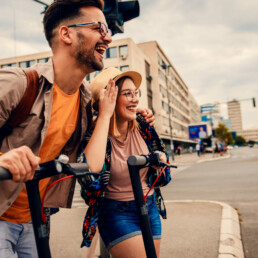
[[198, 131]]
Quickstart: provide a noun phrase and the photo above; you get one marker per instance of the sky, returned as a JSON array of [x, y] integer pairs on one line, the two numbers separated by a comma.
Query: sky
[[213, 44]]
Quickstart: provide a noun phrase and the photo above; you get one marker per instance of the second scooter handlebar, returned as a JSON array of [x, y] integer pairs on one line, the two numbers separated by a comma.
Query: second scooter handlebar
[[152, 159]]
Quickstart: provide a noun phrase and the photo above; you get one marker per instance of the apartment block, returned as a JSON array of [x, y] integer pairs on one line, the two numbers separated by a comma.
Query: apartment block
[[234, 115], [249, 135], [195, 114]]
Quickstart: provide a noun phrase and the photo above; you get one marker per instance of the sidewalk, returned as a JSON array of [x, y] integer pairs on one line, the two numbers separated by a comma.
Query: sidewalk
[[187, 159], [203, 229]]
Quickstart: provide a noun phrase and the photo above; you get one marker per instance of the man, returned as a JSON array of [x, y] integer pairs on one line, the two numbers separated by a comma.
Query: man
[[202, 133], [77, 33]]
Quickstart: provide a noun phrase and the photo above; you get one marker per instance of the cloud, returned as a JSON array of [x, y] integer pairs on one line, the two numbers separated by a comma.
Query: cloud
[[212, 44]]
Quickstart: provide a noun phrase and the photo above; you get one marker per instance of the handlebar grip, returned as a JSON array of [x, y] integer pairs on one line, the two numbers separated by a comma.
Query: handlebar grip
[[80, 167], [137, 160], [5, 174]]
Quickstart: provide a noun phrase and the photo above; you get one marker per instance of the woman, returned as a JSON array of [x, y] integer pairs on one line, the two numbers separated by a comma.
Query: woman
[[115, 213]]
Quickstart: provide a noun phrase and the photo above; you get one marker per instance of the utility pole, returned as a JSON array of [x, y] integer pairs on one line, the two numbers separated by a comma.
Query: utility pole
[[166, 67]]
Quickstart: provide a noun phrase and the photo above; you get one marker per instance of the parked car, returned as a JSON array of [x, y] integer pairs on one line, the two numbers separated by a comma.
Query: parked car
[[208, 149]]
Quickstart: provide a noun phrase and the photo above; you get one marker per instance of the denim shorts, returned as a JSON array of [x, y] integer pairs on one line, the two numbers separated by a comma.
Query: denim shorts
[[119, 221]]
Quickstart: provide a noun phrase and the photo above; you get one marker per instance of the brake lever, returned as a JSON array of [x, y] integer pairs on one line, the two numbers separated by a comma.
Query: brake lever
[[163, 164]]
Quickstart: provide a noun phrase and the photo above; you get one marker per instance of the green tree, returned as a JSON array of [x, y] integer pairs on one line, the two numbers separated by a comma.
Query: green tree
[[240, 140], [223, 134]]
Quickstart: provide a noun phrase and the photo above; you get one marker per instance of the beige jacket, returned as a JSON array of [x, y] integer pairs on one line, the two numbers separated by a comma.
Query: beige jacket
[[32, 132]]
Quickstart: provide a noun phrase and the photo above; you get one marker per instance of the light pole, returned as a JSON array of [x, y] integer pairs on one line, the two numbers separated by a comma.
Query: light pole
[[45, 4], [166, 67]]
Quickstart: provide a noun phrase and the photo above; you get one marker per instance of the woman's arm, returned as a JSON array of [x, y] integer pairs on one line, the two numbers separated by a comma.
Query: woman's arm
[[96, 148]]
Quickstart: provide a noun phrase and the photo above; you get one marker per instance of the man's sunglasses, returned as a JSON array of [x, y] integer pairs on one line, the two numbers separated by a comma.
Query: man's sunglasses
[[103, 30]]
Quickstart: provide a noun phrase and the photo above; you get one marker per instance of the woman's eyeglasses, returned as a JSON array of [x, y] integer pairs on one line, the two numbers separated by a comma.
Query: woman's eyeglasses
[[130, 94]]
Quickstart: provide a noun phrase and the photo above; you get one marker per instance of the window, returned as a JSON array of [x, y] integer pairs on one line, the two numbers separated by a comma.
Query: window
[[9, 65], [87, 77], [165, 121], [147, 68], [27, 63], [96, 73], [150, 102], [43, 60], [165, 107], [163, 91], [171, 74], [162, 75], [123, 50], [111, 52], [124, 68], [159, 60]]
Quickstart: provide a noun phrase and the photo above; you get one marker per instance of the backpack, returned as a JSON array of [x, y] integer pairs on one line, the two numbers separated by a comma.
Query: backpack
[[21, 112]]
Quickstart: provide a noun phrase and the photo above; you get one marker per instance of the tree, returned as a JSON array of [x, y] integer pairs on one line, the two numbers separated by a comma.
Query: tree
[[223, 134], [240, 140]]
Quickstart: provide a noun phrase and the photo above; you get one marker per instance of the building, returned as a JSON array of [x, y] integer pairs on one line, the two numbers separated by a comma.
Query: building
[[171, 102], [234, 115], [211, 113], [227, 123], [162, 89], [195, 115], [249, 135], [26, 61]]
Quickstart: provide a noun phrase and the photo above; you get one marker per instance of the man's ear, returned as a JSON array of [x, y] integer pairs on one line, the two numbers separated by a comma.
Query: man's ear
[[65, 35]]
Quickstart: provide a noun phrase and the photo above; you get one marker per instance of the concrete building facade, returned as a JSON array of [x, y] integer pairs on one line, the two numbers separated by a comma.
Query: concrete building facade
[[234, 115], [249, 135], [195, 114]]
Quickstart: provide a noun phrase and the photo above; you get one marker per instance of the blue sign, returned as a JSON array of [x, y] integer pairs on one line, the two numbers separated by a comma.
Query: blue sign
[[197, 131], [205, 119], [208, 108]]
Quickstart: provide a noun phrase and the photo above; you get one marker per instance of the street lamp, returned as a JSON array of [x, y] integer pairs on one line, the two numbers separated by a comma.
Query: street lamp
[[166, 67], [45, 4]]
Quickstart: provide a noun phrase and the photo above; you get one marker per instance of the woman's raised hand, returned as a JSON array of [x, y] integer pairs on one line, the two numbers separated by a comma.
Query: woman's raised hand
[[107, 100]]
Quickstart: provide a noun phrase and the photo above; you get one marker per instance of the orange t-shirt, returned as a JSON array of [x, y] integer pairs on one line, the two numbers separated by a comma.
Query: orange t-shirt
[[63, 121]]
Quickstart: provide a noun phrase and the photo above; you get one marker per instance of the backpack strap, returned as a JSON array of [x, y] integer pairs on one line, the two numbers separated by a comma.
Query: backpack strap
[[21, 112]]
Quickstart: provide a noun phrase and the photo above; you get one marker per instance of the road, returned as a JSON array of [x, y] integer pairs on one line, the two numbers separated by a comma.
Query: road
[[233, 181]]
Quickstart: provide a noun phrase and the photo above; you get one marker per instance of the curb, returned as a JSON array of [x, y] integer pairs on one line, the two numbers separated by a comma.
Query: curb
[[213, 158], [230, 242]]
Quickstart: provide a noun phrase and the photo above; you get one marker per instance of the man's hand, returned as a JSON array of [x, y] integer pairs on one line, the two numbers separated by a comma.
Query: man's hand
[[148, 115], [162, 157], [21, 162]]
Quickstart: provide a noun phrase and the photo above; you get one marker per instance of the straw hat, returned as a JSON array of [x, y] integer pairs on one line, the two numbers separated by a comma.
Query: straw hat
[[101, 80]]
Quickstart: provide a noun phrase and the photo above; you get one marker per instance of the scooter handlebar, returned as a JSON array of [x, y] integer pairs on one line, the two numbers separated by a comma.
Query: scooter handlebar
[[152, 159], [5, 174], [53, 168]]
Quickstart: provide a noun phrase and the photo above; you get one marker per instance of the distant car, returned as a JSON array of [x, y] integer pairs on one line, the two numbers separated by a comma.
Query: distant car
[[251, 145], [230, 147], [208, 149]]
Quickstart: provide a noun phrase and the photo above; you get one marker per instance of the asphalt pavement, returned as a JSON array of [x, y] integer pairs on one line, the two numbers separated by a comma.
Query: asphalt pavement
[[203, 229]]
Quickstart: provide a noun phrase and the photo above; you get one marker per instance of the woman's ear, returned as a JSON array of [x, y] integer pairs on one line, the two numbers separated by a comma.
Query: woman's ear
[[65, 35]]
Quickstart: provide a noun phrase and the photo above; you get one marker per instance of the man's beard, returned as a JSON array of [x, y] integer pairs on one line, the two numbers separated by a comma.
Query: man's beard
[[86, 57]]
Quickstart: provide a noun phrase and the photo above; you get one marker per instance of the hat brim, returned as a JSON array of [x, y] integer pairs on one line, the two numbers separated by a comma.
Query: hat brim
[[135, 76]]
